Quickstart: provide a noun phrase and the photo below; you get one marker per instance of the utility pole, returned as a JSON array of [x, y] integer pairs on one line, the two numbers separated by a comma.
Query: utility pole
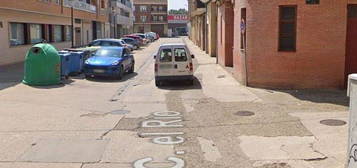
[[72, 27]]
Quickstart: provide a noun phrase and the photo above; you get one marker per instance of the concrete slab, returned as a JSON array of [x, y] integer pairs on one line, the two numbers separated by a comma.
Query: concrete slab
[[40, 165], [120, 165], [148, 93], [332, 140], [143, 109], [279, 148], [126, 146], [65, 151], [215, 77], [209, 149], [282, 164], [15, 144], [24, 116]]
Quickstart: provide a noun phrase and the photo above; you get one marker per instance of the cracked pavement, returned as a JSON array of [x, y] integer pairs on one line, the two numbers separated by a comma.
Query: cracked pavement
[[100, 123]]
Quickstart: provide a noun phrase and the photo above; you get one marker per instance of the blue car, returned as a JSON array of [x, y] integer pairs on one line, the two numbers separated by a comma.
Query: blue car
[[109, 62]]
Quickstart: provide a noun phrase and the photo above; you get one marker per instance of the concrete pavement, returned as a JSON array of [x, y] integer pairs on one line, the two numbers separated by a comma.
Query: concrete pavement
[[217, 123]]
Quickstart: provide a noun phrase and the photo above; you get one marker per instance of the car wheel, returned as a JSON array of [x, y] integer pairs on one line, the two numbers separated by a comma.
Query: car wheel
[[121, 73], [132, 68]]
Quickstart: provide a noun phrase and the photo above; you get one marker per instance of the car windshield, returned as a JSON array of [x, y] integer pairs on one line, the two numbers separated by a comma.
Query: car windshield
[[108, 53]]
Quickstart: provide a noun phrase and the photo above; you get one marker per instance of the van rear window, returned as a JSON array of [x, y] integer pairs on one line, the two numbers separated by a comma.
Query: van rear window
[[166, 55], [180, 55]]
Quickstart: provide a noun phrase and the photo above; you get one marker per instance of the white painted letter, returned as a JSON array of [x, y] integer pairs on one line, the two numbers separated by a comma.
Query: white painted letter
[[179, 162], [167, 114], [158, 123], [168, 140]]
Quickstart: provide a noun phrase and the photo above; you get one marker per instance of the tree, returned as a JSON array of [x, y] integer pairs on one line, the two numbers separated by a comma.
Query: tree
[[180, 11]]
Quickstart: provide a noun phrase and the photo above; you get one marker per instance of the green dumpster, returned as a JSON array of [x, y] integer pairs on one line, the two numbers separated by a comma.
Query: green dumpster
[[42, 65]]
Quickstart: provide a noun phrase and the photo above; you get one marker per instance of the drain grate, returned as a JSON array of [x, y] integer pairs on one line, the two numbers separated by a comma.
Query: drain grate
[[119, 112], [244, 113], [333, 122]]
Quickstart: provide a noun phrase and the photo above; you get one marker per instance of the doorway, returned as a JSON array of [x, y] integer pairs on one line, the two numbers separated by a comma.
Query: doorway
[[229, 31], [351, 41], [78, 41]]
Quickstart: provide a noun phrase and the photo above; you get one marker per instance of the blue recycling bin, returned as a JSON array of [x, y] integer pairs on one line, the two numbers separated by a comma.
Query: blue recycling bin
[[65, 63], [76, 62], [80, 56]]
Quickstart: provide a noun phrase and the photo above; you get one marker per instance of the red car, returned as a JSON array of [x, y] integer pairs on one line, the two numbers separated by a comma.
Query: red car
[[141, 40]]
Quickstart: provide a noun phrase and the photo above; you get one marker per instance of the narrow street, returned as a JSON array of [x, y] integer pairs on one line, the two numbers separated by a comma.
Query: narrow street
[[216, 123]]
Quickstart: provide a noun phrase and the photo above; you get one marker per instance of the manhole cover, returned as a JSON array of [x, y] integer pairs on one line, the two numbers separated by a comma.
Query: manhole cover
[[244, 113], [332, 122], [119, 112]]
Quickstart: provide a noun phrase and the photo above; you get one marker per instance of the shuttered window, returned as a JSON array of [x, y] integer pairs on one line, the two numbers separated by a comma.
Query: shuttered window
[[352, 11], [287, 28]]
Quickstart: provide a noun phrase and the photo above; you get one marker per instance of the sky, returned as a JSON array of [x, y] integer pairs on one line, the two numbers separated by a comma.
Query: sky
[[178, 4]]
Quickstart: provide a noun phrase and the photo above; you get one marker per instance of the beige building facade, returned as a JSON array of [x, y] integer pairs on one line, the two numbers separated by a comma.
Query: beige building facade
[[25, 23]]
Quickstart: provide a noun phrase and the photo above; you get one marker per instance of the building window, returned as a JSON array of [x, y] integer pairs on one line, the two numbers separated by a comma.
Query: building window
[[17, 34], [143, 18], [312, 2], [154, 8], [287, 28], [36, 33], [57, 2], [58, 33], [143, 9], [352, 11], [160, 8], [161, 18], [221, 27], [154, 18], [68, 33], [102, 3], [243, 28]]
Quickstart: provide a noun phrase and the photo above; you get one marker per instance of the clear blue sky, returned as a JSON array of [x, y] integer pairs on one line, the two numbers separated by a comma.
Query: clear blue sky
[[178, 4]]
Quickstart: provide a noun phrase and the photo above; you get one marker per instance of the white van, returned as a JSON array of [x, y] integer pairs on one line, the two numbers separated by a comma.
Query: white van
[[173, 62]]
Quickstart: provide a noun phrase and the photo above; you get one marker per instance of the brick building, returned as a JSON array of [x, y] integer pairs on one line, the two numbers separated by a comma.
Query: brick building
[[151, 16], [24, 23], [288, 44]]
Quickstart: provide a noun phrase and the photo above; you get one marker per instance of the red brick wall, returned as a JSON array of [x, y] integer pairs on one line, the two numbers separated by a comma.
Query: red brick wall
[[320, 54], [238, 54]]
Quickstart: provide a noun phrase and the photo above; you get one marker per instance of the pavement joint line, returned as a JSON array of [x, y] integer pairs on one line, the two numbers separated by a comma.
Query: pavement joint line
[[227, 125], [34, 131], [100, 162], [124, 88]]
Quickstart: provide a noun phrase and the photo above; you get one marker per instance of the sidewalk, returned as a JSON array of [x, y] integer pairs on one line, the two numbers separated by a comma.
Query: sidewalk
[[291, 133]]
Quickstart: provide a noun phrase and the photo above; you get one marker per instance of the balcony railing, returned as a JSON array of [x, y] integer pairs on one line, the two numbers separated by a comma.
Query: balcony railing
[[80, 5]]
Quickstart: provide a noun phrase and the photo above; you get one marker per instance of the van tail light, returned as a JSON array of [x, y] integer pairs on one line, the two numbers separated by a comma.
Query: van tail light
[[156, 67], [191, 66]]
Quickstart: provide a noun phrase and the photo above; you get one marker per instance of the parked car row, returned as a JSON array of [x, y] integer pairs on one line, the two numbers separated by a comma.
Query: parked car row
[[114, 58]]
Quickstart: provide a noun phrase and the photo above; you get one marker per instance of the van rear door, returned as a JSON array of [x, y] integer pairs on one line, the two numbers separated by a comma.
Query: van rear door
[[164, 62], [182, 62]]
